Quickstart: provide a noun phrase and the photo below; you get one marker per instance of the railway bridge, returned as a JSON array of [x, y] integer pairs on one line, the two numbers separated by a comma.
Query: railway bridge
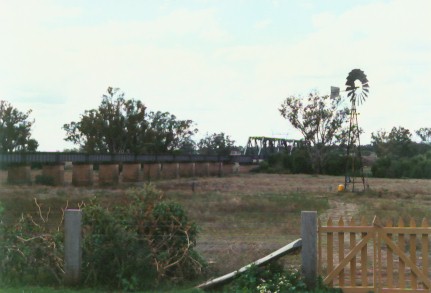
[[113, 168]]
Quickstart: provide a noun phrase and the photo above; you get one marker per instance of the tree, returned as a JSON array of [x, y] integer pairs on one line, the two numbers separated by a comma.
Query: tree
[[396, 143], [321, 121], [218, 144], [167, 134], [425, 134], [15, 129], [122, 125]]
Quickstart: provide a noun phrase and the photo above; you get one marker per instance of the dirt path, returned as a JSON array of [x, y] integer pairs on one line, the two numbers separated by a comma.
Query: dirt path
[[340, 209]]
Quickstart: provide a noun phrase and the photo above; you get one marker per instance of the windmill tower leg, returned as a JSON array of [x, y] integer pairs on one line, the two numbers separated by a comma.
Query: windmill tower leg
[[354, 165]]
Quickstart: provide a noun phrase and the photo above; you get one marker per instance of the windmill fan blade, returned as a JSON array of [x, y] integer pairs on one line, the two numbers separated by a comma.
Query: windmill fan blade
[[356, 95]]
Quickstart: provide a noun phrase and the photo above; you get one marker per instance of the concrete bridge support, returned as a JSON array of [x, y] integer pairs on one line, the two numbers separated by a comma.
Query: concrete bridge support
[[152, 171], [202, 169], [215, 169], [19, 174], [170, 170], [109, 174], [82, 175], [56, 172], [186, 170], [132, 172]]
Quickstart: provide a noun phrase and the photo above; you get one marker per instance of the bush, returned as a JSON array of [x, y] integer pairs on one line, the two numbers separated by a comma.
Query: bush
[[129, 247], [296, 162], [273, 278], [408, 167], [30, 252], [140, 244]]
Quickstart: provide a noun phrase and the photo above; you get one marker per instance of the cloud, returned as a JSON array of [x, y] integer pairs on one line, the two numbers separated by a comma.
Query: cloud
[[188, 61], [262, 24]]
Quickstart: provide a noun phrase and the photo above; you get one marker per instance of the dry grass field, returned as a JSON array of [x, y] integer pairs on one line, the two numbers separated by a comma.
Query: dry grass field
[[242, 217]]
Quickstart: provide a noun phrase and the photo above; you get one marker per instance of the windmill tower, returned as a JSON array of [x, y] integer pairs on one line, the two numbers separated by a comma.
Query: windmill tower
[[357, 89]]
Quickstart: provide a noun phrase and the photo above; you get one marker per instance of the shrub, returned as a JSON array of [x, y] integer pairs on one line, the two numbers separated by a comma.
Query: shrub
[[30, 252], [138, 245], [408, 167], [274, 278], [296, 162], [131, 246]]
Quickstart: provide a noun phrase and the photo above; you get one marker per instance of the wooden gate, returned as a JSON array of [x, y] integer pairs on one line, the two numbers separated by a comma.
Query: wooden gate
[[377, 258]]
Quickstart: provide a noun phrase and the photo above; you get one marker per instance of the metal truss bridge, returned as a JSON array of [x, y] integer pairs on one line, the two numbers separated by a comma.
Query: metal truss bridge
[[263, 146]]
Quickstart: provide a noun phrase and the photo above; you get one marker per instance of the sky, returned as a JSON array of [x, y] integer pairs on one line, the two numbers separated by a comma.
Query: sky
[[227, 64]]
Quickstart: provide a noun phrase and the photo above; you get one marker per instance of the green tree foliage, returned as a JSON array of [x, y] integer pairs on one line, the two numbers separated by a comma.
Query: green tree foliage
[[321, 121], [121, 125], [218, 144], [168, 134], [396, 143], [399, 156], [118, 125], [15, 129], [425, 134], [418, 166]]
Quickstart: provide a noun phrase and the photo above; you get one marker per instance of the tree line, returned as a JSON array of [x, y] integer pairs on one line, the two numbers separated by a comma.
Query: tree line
[[118, 125], [324, 124], [121, 125]]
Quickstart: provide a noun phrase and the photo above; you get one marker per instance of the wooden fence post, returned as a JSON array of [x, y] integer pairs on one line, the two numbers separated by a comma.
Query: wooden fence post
[[72, 246], [309, 247]]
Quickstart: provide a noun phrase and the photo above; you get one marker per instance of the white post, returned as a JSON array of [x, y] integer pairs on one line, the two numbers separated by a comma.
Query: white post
[[309, 247], [72, 246]]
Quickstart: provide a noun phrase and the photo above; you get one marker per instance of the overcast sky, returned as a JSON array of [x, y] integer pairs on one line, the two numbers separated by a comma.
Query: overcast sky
[[227, 65]]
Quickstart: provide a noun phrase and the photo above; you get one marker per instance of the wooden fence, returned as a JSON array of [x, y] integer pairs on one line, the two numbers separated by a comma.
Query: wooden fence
[[380, 258]]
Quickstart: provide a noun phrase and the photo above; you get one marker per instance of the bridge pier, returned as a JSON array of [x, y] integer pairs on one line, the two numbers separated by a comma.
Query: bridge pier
[[186, 170], [201, 169], [109, 174], [132, 172], [152, 171], [82, 174], [19, 174], [169, 170], [56, 172], [215, 169]]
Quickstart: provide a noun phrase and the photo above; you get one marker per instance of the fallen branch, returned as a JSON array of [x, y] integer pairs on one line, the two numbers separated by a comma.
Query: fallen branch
[[292, 248]]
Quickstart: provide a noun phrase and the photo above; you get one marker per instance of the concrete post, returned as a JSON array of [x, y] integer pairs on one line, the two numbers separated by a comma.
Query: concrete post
[[193, 170], [309, 248], [221, 171], [177, 171], [72, 246]]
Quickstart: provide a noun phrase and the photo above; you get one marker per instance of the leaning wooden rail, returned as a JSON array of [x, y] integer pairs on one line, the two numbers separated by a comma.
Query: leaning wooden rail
[[292, 248]]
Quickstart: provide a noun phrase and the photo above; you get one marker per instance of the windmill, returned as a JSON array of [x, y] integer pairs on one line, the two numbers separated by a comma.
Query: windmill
[[357, 89]]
